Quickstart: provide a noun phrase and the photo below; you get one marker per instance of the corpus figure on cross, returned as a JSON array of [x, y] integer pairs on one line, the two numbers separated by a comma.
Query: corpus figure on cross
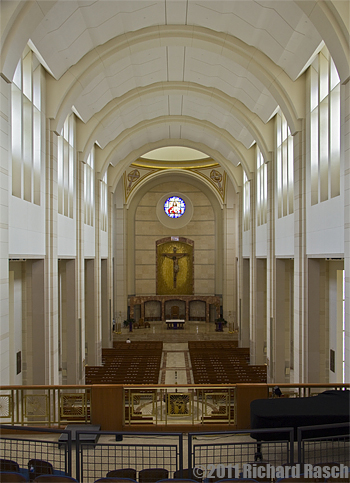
[[175, 258]]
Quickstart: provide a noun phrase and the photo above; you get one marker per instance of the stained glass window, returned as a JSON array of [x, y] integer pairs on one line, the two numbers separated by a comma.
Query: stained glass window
[[174, 207]]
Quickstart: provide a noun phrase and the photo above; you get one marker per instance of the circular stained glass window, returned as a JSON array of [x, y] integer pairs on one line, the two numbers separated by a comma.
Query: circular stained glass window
[[174, 207]]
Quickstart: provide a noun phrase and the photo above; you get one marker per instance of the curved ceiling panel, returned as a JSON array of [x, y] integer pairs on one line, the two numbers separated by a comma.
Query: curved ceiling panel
[[169, 64], [162, 129], [144, 109], [280, 29]]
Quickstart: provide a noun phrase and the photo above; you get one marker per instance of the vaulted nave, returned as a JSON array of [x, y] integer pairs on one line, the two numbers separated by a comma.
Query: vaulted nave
[[174, 160]]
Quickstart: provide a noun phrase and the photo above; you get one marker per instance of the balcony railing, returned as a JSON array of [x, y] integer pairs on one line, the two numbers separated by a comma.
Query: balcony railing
[[45, 405], [115, 407]]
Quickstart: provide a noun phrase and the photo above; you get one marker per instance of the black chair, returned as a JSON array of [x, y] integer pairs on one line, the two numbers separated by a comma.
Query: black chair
[[11, 477], [54, 479], [122, 473], [114, 480], [39, 467], [260, 464], [9, 465], [177, 480], [187, 474], [228, 480], [152, 475], [331, 479], [291, 479]]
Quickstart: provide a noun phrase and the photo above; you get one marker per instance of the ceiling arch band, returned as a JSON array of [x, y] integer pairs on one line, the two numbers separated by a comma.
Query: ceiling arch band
[[285, 92]]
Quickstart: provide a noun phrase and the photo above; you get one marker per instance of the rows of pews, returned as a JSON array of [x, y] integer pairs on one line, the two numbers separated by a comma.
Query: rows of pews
[[134, 363], [222, 362]]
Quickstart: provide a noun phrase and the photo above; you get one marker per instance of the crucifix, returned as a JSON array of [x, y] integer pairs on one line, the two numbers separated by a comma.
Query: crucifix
[[175, 258]]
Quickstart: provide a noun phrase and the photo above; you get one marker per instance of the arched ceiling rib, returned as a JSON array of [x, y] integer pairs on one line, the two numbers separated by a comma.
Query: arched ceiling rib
[[19, 20], [222, 68], [332, 20], [253, 67], [169, 128], [115, 172], [177, 99], [280, 29]]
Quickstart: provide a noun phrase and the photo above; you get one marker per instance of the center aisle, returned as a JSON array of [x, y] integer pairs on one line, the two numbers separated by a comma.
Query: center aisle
[[176, 364]]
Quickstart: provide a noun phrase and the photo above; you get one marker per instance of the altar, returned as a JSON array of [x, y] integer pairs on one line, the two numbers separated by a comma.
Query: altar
[[162, 307], [175, 323]]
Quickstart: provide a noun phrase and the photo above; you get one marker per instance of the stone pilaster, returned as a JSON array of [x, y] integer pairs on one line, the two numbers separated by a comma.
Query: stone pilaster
[[271, 265], [300, 267], [5, 153], [253, 281], [51, 268], [120, 251], [345, 128], [110, 257], [97, 273], [79, 269], [243, 324], [229, 285]]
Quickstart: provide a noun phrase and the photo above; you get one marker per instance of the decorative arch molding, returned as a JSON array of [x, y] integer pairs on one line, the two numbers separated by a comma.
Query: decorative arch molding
[[127, 142], [188, 176], [235, 173], [25, 18], [329, 22], [152, 183], [260, 131], [287, 93]]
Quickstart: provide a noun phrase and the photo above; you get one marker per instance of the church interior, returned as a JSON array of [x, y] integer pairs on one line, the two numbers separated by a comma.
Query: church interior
[[175, 172]]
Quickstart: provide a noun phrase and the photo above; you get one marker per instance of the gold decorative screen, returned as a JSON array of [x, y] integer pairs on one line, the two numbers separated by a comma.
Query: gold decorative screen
[[174, 268]]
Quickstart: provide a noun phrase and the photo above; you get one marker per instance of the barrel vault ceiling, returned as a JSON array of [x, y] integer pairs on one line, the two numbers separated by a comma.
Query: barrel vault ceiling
[[207, 74]]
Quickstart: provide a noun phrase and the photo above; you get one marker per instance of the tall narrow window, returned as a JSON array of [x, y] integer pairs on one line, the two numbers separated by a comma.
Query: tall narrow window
[[246, 202], [104, 209], [65, 167], [285, 167], [261, 185], [89, 178], [26, 129], [324, 128]]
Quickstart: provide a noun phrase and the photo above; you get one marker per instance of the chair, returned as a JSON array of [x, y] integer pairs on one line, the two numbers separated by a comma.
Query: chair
[[175, 311], [228, 476], [337, 479], [188, 475], [177, 480], [114, 480], [238, 479], [9, 465], [39, 467], [11, 477], [151, 475], [291, 479], [122, 473], [264, 465], [54, 478]]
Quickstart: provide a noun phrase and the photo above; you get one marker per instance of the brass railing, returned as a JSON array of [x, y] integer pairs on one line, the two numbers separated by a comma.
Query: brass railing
[[45, 405], [143, 404], [180, 404]]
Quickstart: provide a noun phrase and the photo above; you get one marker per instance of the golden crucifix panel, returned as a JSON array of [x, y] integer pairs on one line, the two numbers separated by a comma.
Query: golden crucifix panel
[[174, 267]]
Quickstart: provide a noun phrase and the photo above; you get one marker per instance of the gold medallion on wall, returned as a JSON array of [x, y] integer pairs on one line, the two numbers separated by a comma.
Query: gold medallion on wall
[[174, 267]]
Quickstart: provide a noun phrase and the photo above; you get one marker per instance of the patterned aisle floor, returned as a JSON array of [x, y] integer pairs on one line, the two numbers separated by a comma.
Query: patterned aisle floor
[[176, 365]]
